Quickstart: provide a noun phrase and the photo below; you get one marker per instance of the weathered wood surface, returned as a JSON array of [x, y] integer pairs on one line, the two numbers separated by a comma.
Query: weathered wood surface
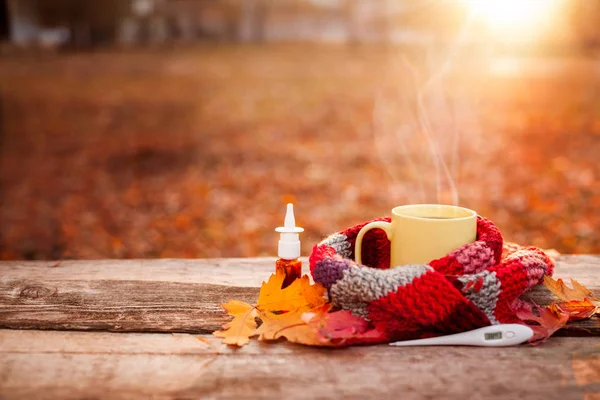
[[166, 295], [126, 295], [91, 365]]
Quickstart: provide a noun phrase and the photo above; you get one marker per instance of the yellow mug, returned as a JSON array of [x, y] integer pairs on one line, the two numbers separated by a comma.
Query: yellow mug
[[420, 233]]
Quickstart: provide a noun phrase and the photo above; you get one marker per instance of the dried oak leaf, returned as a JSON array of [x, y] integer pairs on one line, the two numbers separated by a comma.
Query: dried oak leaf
[[565, 293], [238, 331], [579, 301], [577, 309], [549, 320]]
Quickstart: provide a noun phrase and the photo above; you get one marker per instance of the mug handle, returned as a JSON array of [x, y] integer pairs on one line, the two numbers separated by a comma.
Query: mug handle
[[385, 226]]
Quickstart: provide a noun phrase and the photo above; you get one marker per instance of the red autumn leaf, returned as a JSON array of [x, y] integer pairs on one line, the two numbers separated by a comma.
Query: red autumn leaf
[[339, 327], [548, 321]]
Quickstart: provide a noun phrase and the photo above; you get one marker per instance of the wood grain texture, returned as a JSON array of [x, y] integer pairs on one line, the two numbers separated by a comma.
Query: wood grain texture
[[166, 295], [75, 365], [241, 272], [126, 295]]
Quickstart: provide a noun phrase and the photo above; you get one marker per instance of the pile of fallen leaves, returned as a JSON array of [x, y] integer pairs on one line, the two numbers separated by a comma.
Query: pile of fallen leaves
[[129, 155], [300, 313], [573, 305]]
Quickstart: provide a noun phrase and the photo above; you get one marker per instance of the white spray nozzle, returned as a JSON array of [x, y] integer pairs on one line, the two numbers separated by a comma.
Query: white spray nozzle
[[290, 221], [289, 238]]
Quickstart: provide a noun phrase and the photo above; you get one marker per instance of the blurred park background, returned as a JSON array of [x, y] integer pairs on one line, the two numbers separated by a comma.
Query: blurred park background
[[181, 128]]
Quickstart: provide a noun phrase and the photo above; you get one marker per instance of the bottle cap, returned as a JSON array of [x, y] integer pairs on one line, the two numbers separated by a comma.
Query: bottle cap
[[289, 238]]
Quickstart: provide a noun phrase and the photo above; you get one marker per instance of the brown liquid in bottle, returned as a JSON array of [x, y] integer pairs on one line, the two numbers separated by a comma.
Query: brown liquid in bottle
[[292, 270]]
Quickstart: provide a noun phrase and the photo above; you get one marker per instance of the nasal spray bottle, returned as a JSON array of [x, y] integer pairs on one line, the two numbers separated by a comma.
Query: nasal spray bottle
[[289, 248]]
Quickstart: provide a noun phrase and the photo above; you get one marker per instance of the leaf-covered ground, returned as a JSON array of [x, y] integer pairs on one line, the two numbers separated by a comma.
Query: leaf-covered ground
[[194, 152]]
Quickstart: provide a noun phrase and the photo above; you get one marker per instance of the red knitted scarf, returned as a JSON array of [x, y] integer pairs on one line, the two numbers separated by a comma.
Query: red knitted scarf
[[476, 285]]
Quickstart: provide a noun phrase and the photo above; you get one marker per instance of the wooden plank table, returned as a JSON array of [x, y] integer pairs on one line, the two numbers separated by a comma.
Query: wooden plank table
[[140, 328]]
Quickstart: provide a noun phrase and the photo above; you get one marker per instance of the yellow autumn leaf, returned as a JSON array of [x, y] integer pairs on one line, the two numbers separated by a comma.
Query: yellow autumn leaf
[[238, 331]]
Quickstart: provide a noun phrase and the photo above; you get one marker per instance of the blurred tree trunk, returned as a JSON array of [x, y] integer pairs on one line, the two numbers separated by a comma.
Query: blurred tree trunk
[[4, 20], [89, 22], [184, 15], [143, 21], [350, 20], [260, 20], [24, 21], [250, 24], [385, 22]]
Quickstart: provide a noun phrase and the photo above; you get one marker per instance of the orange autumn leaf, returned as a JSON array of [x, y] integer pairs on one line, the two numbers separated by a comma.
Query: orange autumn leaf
[[578, 302], [300, 295], [299, 313], [293, 301], [238, 331], [577, 309], [548, 321], [318, 327], [565, 293], [292, 327], [274, 305]]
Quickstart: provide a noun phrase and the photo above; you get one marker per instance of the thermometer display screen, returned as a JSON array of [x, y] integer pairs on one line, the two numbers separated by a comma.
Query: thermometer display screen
[[493, 336]]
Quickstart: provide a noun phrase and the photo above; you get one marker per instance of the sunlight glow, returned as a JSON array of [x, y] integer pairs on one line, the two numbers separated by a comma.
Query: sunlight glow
[[512, 17]]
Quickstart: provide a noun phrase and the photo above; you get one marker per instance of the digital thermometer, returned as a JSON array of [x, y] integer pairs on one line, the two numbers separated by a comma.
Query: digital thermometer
[[491, 336]]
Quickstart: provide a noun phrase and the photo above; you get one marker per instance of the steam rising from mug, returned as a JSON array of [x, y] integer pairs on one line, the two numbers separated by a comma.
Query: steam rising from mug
[[420, 122]]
